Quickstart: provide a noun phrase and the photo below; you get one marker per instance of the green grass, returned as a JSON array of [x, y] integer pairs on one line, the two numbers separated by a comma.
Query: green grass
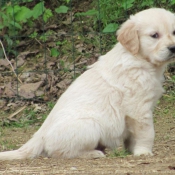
[[28, 117], [7, 145], [119, 153]]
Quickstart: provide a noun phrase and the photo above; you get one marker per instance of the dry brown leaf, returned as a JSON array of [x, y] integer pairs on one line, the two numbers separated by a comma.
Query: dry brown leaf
[[24, 54], [20, 62], [50, 64], [28, 90], [8, 92], [2, 103], [4, 62], [61, 85]]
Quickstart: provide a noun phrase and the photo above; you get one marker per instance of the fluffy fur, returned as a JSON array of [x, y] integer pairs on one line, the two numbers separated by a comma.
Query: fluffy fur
[[114, 99]]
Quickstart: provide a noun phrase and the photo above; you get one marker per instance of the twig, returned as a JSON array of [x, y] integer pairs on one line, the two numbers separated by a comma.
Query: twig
[[9, 61], [15, 113], [166, 95], [38, 41], [41, 44], [83, 62]]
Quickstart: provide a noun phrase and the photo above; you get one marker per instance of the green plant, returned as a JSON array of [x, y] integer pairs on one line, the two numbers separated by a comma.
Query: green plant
[[62, 9], [108, 14], [13, 17], [64, 67], [34, 35], [120, 153], [50, 105], [28, 117], [7, 145], [54, 52]]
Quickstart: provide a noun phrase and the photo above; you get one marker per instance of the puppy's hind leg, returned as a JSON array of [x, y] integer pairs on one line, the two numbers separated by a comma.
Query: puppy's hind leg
[[79, 140], [94, 154], [88, 154]]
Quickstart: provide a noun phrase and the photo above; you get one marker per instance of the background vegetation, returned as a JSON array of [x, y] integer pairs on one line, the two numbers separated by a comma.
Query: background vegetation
[[49, 43]]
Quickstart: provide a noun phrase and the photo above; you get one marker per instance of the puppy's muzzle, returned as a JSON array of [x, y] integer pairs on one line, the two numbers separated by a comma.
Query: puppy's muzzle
[[172, 49]]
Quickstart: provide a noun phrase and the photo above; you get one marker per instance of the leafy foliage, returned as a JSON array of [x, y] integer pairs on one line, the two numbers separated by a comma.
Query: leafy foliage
[[110, 13], [63, 40], [54, 52], [62, 9], [112, 27], [14, 17], [30, 116], [120, 153]]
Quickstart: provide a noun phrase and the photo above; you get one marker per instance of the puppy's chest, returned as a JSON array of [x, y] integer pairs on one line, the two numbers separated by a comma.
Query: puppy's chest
[[143, 88]]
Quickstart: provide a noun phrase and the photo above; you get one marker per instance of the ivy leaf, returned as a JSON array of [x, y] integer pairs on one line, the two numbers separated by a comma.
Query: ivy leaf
[[62, 9], [17, 25], [13, 10], [38, 10], [24, 14], [112, 27], [54, 52], [172, 2], [4, 16], [128, 4], [16, 9], [1, 26], [9, 10]]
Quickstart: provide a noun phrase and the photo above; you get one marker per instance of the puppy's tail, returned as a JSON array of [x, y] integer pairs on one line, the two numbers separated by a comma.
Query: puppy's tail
[[32, 149]]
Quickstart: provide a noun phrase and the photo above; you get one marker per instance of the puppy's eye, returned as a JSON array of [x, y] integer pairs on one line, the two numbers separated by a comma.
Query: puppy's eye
[[156, 35], [174, 32]]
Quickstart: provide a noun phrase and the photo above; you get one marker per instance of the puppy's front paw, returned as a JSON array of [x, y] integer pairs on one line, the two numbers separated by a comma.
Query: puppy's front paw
[[142, 151]]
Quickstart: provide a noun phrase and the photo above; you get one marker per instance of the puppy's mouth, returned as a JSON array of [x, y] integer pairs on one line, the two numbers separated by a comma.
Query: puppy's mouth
[[171, 57]]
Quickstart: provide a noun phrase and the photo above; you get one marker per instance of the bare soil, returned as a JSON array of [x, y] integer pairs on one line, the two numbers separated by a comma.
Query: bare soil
[[86, 52], [163, 161]]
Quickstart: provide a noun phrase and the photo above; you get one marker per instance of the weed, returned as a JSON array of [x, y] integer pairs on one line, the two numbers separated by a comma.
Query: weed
[[13, 17], [54, 52], [50, 105], [62, 9], [28, 117], [107, 12], [1, 132], [120, 153], [6, 145]]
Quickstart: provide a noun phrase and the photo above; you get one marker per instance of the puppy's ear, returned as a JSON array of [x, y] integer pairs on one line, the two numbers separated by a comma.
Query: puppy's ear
[[128, 37]]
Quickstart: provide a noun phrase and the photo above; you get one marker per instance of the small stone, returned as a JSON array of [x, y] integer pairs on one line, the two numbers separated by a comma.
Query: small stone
[[73, 168]]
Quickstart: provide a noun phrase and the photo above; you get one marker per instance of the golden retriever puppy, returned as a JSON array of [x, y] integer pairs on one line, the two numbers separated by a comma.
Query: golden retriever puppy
[[114, 99]]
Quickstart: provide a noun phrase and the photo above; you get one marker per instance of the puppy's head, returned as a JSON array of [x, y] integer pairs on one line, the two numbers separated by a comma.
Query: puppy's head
[[151, 35]]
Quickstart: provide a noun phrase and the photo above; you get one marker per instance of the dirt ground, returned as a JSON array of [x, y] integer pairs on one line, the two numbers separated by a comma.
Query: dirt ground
[[163, 161]]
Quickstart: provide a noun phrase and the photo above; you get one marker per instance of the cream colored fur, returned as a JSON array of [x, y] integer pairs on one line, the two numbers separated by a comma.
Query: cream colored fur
[[113, 100]]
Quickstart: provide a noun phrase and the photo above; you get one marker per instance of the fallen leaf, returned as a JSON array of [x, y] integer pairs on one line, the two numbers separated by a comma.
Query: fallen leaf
[[2, 103], [28, 90], [4, 63], [20, 62], [61, 85], [24, 54], [8, 92]]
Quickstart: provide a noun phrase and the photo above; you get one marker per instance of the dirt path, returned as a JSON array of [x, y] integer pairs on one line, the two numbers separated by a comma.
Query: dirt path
[[163, 161], [129, 165]]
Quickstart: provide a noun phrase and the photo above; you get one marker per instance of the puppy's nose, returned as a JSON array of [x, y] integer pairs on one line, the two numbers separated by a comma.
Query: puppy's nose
[[172, 48]]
